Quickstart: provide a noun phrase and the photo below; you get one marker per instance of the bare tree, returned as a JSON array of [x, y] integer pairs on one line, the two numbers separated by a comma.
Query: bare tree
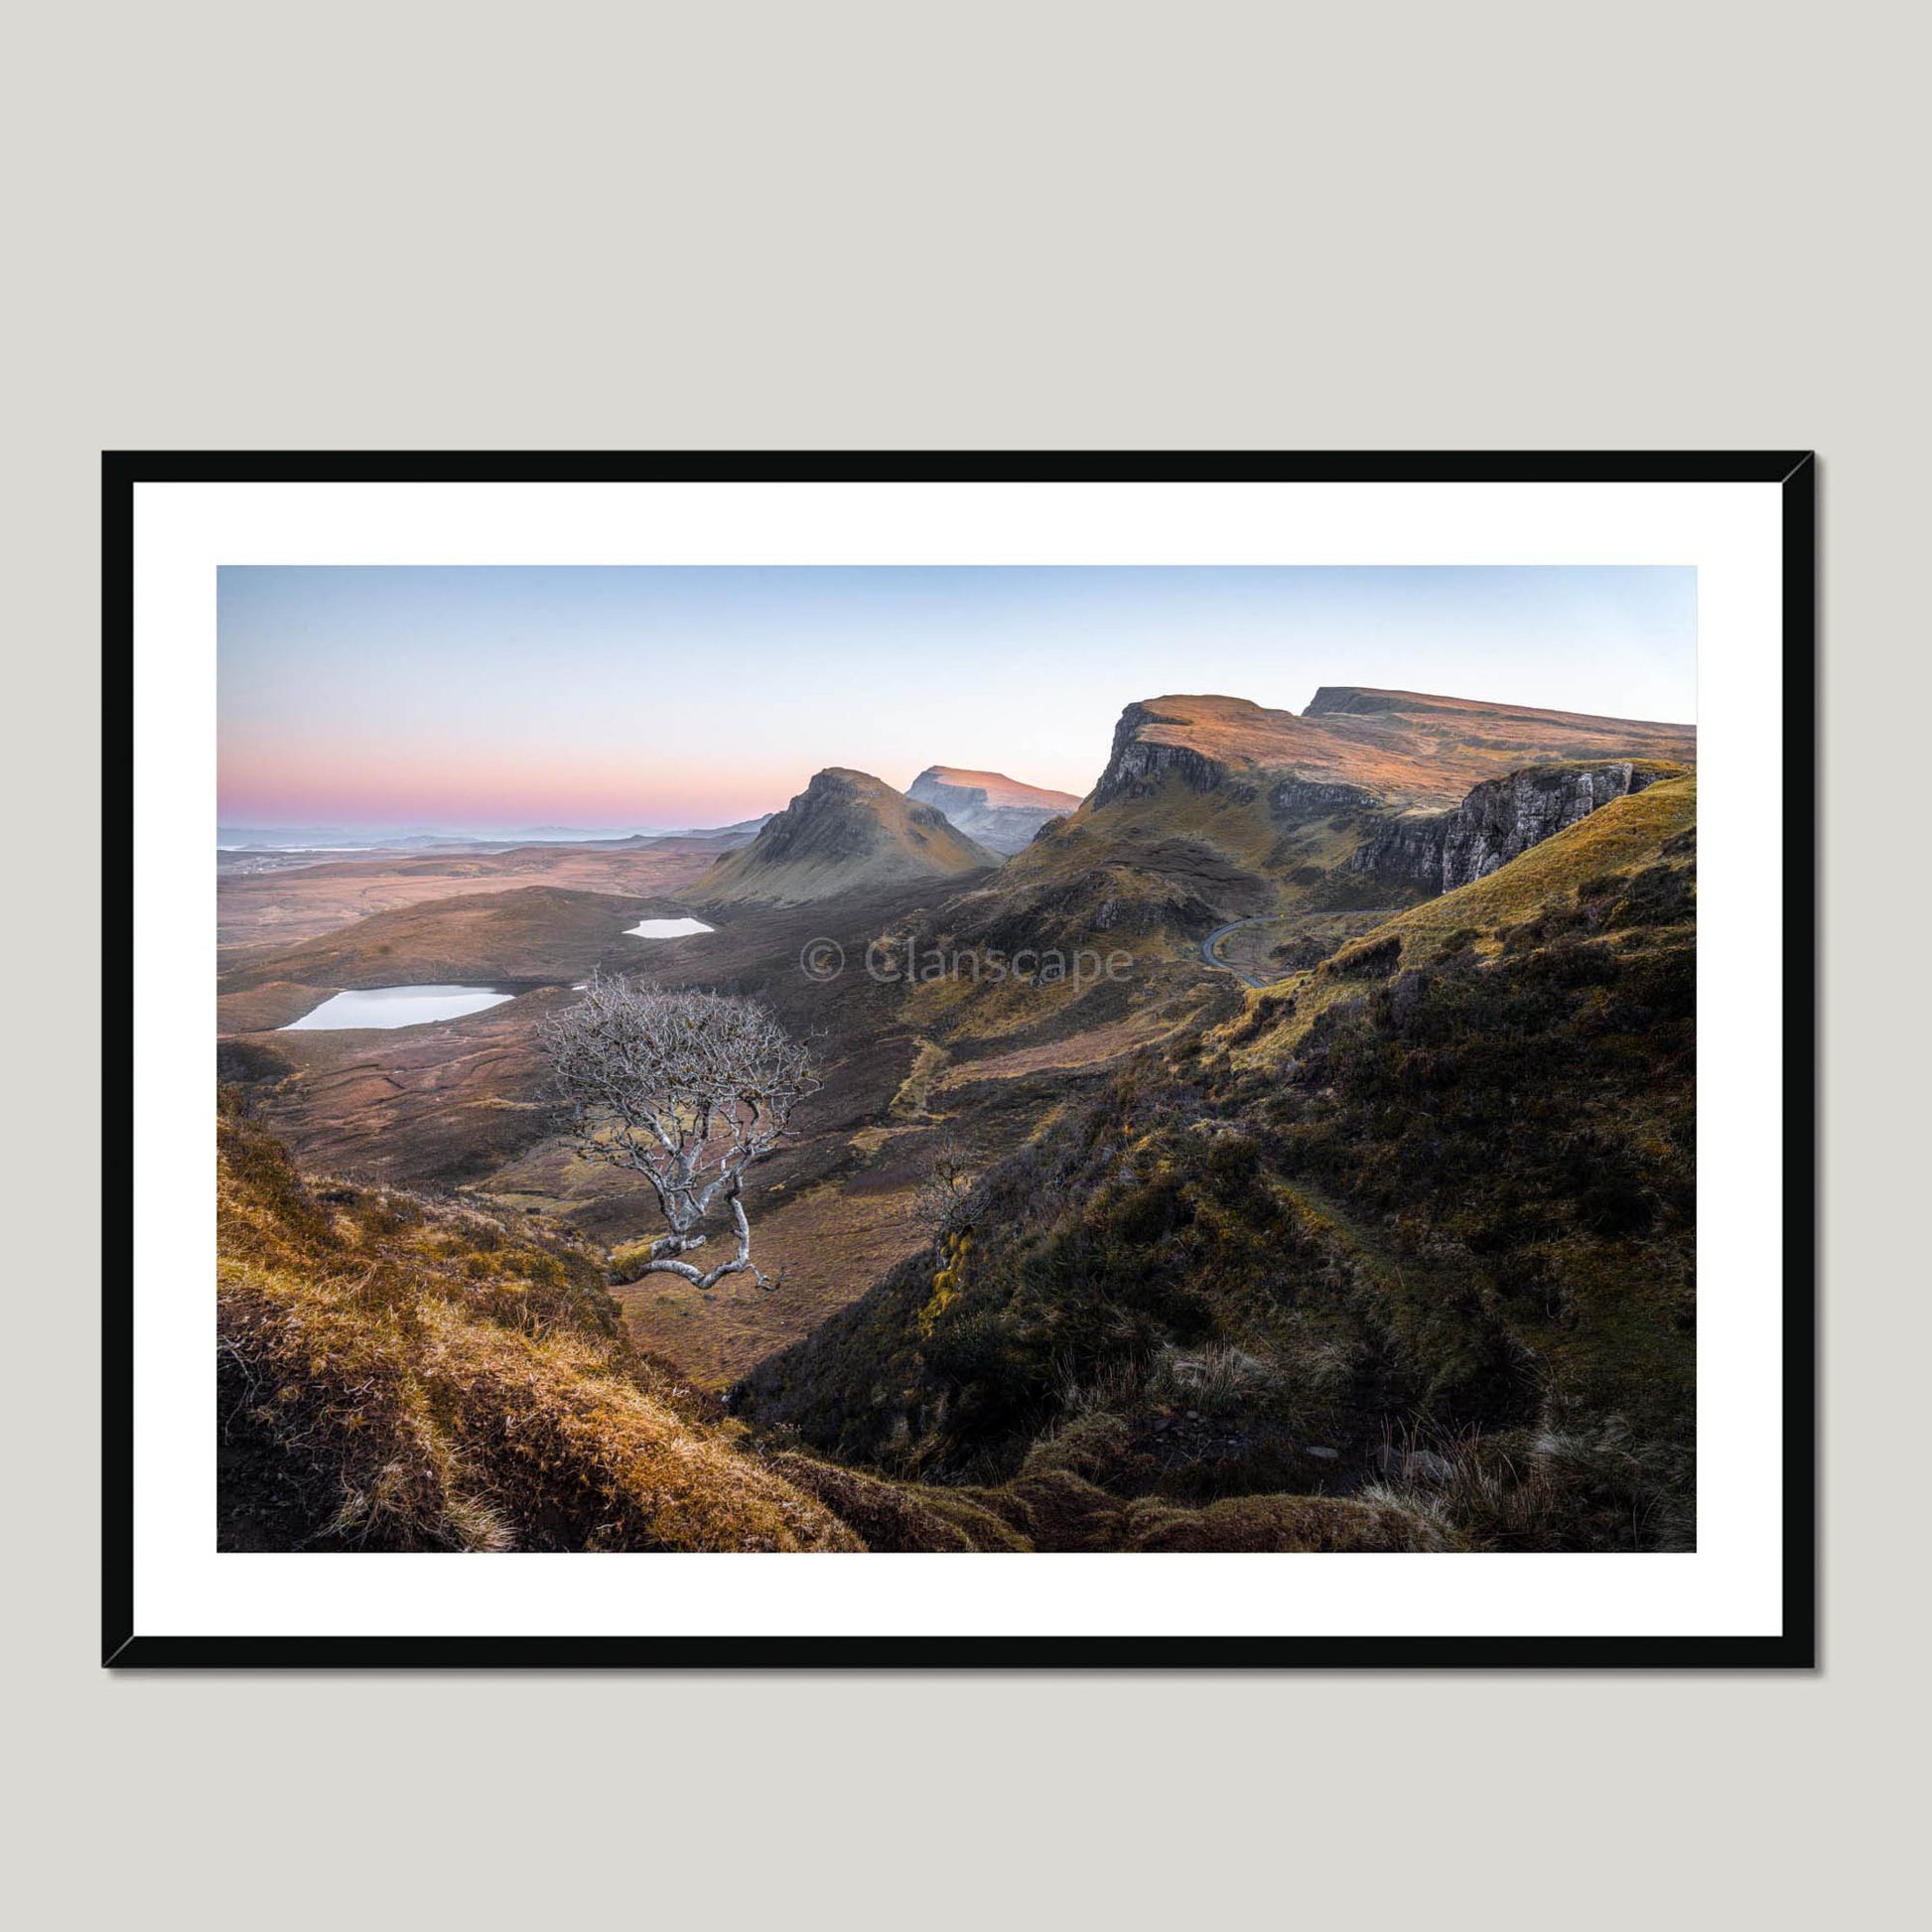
[[941, 1200], [687, 1089]]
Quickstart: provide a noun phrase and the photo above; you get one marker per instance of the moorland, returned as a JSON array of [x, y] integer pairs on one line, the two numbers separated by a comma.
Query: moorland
[[1353, 1207]]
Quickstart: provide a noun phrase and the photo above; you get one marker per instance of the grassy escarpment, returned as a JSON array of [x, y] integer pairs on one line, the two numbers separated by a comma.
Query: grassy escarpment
[[399, 1373], [1213, 809], [1415, 1229]]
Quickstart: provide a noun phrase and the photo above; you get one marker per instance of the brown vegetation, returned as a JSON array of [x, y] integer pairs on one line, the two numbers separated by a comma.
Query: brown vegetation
[[397, 1375], [280, 908], [1404, 746]]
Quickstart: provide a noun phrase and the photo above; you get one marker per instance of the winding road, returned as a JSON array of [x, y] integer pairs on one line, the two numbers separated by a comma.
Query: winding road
[[1210, 947]]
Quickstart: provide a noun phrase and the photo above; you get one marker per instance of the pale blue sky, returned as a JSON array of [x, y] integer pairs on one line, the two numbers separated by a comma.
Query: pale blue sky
[[647, 697]]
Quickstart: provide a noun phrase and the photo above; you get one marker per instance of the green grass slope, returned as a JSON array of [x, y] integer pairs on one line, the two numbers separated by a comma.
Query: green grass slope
[[1414, 1230]]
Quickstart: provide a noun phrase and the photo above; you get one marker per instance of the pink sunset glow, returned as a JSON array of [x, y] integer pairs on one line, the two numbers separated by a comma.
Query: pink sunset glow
[[668, 698]]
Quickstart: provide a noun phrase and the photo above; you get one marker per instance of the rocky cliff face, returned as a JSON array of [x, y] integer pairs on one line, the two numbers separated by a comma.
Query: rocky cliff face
[[1406, 848], [1497, 822], [1217, 802], [1135, 766], [1295, 796], [1509, 815], [825, 819], [1408, 750]]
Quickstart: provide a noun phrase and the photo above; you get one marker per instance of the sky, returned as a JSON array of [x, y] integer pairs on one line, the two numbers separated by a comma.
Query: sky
[[652, 698]]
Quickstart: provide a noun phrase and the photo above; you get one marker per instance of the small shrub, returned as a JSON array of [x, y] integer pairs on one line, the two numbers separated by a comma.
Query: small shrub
[[1218, 1380]]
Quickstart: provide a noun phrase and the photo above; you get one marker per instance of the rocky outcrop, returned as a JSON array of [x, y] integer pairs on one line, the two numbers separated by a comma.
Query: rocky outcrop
[[1352, 701], [1208, 800], [1296, 797], [1509, 815], [1135, 766], [1406, 750], [1407, 847], [828, 820], [1497, 822]]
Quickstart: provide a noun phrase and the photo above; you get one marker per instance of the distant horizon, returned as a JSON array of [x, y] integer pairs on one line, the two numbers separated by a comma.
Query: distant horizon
[[236, 837], [501, 702]]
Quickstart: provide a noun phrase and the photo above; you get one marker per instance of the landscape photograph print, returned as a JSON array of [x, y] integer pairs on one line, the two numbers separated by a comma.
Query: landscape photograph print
[[956, 1060]]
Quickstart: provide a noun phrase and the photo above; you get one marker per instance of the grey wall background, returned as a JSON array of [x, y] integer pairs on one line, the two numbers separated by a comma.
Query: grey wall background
[[887, 225]]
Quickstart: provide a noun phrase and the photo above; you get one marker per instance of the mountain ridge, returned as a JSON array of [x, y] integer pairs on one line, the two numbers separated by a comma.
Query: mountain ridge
[[846, 829], [1410, 749], [1213, 808]]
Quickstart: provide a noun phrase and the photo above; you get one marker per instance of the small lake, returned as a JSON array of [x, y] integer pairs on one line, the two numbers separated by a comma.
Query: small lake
[[397, 1005], [666, 928]]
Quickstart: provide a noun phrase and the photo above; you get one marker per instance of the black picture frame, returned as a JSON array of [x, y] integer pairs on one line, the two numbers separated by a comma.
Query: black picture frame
[[1795, 472]]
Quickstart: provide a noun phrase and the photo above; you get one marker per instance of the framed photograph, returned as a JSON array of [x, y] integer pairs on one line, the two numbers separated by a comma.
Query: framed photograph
[[1035, 1060]]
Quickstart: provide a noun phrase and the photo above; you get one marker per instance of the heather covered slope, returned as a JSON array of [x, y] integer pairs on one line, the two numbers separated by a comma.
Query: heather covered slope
[[401, 1373], [1416, 1226], [847, 830]]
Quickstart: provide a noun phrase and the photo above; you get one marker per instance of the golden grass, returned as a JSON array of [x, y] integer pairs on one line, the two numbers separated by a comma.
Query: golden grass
[[1403, 744], [435, 1378], [902, 1516], [990, 1009], [1058, 1501], [1620, 836], [1297, 1524], [424, 1376], [1092, 1048], [909, 1102]]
